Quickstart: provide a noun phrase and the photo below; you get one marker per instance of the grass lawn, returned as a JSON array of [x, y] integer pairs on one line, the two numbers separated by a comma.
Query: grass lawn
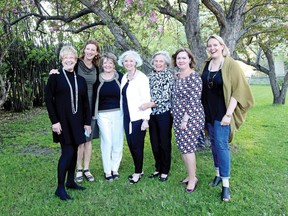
[[259, 172]]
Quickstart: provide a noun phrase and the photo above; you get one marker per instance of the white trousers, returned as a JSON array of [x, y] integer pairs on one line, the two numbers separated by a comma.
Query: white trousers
[[111, 137]]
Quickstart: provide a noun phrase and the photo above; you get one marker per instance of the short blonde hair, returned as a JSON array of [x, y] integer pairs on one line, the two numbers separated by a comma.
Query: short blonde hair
[[68, 49], [132, 53], [225, 51]]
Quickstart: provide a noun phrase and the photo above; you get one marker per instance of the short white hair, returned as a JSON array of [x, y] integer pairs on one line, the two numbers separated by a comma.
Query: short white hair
[[132, 53], [166, 57]]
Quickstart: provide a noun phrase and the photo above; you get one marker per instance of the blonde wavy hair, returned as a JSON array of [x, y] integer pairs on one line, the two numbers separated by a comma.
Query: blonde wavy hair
[[225, 51]]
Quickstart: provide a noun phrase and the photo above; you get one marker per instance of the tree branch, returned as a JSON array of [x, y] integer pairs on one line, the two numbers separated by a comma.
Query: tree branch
[[65, 19], [217, 10], [43, 18], [255, 65], [167, 9], [253, 23], [264, 4], [85, 27]]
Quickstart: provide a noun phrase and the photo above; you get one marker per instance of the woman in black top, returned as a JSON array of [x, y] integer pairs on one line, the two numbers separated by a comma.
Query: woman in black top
[[109, 115], [68, 108], [87, 67]]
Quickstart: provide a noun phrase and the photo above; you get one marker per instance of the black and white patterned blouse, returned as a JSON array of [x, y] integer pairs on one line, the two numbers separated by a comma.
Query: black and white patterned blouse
[[161, 84]]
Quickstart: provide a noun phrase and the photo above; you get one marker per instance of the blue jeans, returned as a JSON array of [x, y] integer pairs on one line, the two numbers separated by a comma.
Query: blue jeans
[[219, 136]]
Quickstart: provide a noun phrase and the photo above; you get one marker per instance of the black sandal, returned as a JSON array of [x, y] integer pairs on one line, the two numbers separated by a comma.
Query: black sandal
[[89, 177], [79, 179], [163, 179], [108, 178], [135, 182], [154, 175], [131, 176], [115, 176]]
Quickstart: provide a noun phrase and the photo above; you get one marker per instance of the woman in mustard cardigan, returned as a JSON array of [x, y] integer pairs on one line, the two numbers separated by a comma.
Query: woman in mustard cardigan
[[226, 98]]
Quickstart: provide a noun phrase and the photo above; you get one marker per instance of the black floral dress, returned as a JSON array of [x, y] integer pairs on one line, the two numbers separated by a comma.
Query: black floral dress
[[186, 97]]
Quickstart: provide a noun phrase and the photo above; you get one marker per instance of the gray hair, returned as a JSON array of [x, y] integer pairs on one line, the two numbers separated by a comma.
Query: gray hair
[[68, 49], [225, 51], [108, 55], [132, 53], [166, 56]]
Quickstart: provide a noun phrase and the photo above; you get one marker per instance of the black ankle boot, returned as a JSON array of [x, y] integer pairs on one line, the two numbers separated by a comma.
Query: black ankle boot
[[216, 181], [225, 195]]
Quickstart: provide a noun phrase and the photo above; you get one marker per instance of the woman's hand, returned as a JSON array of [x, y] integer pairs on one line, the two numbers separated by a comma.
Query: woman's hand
[[88, 129], [144, 125], [184, 121], [54, 71], [183, 125], [57, 128], [226, 120], [145, 106]]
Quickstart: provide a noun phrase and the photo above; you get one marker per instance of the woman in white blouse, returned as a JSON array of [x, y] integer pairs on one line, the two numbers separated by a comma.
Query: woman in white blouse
[[135, 91]]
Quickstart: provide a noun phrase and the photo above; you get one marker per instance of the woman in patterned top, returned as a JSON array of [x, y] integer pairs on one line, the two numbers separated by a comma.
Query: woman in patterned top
[[188, 113], [160, 123]]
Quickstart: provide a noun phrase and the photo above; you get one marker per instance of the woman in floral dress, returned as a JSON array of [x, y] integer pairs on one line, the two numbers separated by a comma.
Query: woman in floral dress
[[188, 113]]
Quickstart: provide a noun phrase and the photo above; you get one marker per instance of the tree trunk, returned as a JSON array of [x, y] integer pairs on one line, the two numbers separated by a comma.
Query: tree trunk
[[192, 30], [279, 95], [230, 23], [124, 38], [5, 87]]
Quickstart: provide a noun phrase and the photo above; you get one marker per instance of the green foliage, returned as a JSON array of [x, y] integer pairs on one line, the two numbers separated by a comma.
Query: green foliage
[[258, 177], [267, 24]]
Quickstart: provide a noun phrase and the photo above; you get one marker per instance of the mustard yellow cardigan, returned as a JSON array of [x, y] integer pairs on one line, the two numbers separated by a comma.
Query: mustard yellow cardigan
[[235, 85]]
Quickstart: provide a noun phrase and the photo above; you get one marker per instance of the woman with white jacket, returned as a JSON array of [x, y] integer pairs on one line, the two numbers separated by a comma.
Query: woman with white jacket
[[135, 91]]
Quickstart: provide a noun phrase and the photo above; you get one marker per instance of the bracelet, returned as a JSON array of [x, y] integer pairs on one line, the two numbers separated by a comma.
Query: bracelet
[[229, 116]]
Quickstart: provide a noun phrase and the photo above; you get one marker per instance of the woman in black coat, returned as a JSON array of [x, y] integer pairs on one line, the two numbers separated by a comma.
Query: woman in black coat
[[68, 108]]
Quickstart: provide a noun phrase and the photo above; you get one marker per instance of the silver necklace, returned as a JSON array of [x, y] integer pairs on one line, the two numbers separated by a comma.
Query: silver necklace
[[211, 79], [74, 110], [133, 76]]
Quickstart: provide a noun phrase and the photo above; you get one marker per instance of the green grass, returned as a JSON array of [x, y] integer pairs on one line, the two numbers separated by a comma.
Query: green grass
[[259, 174]]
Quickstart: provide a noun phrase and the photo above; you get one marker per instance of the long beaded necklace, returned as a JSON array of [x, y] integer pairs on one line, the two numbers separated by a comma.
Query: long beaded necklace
[[211, 79], [74, 110]]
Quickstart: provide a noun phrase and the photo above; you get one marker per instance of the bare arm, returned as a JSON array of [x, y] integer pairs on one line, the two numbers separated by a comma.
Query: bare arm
[[147, 105]]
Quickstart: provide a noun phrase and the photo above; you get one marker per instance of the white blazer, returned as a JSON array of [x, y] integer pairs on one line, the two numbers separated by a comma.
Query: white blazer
[[138, 92]]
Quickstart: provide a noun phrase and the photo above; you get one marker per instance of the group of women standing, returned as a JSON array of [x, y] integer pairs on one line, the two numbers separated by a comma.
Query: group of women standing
[[216, 99]]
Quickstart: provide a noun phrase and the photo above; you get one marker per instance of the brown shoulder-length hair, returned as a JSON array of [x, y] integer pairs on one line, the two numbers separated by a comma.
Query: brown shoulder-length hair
[[110, 56], [96, 59], [190, 55]]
